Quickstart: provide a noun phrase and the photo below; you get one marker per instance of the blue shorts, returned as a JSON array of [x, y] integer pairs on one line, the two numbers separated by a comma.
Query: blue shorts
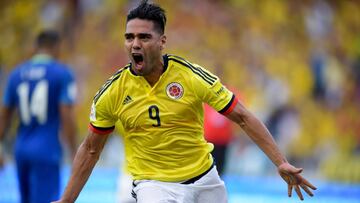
[[38, 182]]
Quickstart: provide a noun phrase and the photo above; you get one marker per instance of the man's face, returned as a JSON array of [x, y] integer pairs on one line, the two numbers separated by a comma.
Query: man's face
[[143, 44]]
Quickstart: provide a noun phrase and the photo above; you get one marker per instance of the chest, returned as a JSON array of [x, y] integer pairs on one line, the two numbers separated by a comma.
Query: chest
[[167, 103]]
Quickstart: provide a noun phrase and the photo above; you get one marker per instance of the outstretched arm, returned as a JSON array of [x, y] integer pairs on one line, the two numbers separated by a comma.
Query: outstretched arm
[[84, 162], [257, 131]]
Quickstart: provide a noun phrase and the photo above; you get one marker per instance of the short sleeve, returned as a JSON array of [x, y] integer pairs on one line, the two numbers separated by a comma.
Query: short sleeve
[[102, 120], [104, 106], [68, 89], [213, 92]]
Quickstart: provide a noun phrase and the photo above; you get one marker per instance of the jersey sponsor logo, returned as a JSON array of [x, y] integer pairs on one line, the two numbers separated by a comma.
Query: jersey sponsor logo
[[127, 100], [221, 90], [174, 90]]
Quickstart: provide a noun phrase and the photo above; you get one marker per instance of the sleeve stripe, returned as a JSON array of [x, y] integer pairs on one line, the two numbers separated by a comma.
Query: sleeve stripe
[[101, 131], [194, 71], [198, 71], [108, 83], [230, 106]]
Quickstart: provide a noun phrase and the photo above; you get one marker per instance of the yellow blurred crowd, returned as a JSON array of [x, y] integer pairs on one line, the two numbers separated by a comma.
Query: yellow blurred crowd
[[280, 54]]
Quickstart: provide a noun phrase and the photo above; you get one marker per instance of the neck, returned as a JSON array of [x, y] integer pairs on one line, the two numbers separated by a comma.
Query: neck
[[154, 76], [50, 52]]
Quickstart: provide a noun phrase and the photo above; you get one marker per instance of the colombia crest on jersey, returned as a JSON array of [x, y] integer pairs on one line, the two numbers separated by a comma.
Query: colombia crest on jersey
[[163, 124]]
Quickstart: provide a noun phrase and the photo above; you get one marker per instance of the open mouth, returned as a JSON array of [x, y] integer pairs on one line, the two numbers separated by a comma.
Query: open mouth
[[138, 58]]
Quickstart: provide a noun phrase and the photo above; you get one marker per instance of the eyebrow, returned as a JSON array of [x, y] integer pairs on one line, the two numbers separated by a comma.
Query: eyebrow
[[128, 35], [140, 35]]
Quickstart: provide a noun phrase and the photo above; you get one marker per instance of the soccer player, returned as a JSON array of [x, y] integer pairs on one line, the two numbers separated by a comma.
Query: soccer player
[[42, 92], [159, 101]]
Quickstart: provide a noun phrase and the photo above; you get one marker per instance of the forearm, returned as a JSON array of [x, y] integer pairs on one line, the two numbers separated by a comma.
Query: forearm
[[257, 131], [69, 134], [83, 164], [5, 122], [69, 128], [5, 118]]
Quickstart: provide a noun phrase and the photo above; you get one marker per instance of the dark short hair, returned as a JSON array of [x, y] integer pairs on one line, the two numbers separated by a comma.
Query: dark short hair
[[149, 11], [47, 39]]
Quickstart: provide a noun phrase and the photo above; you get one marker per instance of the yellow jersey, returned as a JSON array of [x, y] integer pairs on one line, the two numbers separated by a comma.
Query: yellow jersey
[[163, 124]]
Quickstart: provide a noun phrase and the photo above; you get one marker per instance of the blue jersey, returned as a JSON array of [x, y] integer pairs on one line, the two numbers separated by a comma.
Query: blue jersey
[[37, 88]]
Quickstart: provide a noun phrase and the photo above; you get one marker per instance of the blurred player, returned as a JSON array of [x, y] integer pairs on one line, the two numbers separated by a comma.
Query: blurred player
[[41, 91], [159, 101]]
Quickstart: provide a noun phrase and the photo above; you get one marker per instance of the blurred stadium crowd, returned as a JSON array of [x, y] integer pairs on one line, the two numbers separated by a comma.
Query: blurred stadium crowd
[[296, 62]]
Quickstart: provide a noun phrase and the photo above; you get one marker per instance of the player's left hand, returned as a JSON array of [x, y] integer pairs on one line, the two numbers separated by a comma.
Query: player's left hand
[[292, 177]]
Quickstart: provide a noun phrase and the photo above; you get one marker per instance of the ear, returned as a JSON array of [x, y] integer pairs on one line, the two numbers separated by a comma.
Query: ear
[[162, 42]]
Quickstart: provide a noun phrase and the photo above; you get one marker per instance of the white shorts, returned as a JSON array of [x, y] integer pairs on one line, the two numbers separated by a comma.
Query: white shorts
[[208, 189], [124, 188]]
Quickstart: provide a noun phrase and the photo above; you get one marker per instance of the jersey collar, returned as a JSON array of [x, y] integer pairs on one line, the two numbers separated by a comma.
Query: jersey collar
[[165, 59], [41, 58]]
